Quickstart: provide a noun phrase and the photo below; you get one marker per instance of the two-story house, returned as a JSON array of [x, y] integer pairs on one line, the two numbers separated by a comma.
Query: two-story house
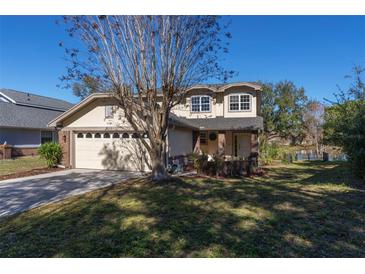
[[212, 118]]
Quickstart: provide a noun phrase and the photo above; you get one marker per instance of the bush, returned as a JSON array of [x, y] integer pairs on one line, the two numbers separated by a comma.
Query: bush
[[268, 153], [200, 162], [51, 152], [203, 166], [216, 166]]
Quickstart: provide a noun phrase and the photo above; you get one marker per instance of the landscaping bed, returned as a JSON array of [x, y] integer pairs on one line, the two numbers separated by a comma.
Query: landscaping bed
[[32, 172], [23, 166]]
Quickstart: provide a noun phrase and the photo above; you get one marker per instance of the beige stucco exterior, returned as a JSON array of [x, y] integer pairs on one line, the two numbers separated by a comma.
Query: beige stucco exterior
[[93, 116], [179, 141], [219, 103]]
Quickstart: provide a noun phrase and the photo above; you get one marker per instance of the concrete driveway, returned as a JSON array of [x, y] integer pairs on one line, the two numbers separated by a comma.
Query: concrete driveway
[[21, 194]]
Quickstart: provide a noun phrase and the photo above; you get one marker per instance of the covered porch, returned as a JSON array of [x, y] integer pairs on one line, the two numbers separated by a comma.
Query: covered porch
[[235, 140], [229, 144]]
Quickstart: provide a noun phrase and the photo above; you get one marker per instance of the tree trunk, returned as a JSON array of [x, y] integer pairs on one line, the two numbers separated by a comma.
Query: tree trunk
[[158, 170], [158, 164]]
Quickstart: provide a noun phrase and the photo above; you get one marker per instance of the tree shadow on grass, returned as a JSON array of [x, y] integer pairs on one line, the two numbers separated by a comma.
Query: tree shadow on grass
[[192, 218], [316, 172]]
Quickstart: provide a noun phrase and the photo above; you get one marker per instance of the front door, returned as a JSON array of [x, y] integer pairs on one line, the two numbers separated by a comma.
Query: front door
[[241, 145]]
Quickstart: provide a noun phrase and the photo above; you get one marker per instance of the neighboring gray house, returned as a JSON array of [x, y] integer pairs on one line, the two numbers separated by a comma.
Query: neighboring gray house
[[24, 118]]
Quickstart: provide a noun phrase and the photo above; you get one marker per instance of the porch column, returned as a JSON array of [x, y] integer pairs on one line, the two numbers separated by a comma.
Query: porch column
[[221, 142], [196, 141]]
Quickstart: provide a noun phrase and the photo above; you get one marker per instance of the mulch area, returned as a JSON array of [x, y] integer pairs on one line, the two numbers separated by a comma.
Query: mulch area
[[30, 173]]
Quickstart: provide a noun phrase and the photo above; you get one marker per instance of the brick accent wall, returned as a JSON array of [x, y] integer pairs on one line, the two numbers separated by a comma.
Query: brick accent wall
[[5, 152], [64, 140]]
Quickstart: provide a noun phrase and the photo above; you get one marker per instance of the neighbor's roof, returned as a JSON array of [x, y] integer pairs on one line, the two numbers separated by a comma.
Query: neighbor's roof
[[29, 99], [219, 123], [20, 116]]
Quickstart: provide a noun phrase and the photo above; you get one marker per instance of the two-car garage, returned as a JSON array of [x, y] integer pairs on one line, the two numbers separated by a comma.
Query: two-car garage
[[110, 150]]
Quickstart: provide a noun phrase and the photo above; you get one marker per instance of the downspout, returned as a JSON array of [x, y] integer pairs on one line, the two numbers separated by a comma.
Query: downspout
[[167, 148], [258, 147], [167, 151]]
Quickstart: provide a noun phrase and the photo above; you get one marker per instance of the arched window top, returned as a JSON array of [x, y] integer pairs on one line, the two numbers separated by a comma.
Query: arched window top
[[106, 135], [97, 135], [115, 135], [89, 135], [125, 135], [80, 135], [135, 135]]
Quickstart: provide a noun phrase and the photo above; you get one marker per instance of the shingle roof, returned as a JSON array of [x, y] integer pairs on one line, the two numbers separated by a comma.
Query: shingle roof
[[220, 85], [24, 98], [12, 115], [219, 123]]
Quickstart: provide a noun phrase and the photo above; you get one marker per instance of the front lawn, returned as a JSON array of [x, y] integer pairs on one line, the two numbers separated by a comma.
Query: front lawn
[[298, 210], [21, 164]]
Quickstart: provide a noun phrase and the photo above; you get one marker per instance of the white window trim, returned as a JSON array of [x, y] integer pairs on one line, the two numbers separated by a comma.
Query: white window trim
[[112, 113], [239, 103], [200, 111], [48, 131]]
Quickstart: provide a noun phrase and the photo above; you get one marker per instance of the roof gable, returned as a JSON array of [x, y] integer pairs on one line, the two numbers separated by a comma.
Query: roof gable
[[29, 99]]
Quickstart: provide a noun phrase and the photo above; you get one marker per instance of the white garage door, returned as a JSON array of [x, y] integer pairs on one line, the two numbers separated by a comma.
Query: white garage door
[[110, 150]]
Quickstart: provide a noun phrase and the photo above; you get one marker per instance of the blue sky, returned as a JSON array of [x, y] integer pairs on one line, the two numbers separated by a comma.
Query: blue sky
[[313, 52]]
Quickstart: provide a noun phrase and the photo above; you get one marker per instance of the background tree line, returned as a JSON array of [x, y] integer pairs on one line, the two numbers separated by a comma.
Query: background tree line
[[289, 115], [345, 122]]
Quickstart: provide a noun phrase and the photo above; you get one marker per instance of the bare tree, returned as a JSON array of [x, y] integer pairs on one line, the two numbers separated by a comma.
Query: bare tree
[[313, 121], [148, 64]]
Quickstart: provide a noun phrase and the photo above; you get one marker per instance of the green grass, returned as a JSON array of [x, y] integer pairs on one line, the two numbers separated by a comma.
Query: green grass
[[298, 210], [21, 164]]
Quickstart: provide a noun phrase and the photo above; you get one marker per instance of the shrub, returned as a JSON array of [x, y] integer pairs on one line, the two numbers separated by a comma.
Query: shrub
[[287, 157], [268, 152], [217, 165], [51, 152], [200, 162]]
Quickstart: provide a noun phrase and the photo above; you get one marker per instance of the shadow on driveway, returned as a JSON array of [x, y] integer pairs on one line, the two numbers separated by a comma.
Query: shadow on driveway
[[21, 194]]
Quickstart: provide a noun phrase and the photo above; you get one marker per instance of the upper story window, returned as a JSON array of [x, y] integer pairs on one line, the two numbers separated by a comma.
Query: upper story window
[[240, 102], [200, 103], [109, 112]]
